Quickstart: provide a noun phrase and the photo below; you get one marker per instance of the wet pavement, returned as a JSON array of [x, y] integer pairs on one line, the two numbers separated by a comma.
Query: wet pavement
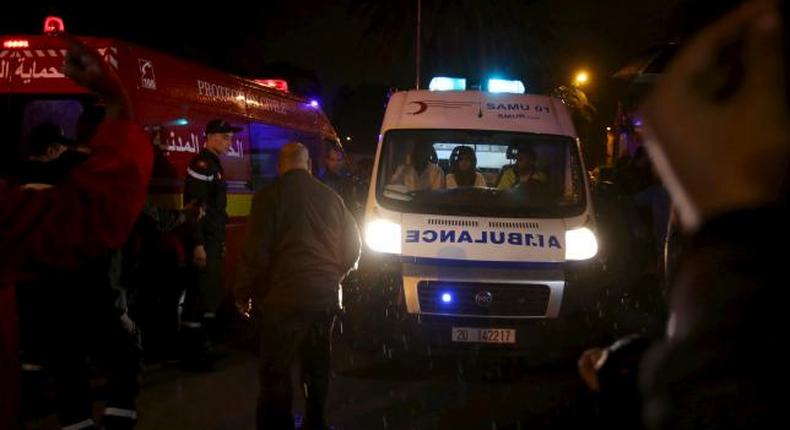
[[378, 393], [375, 388]]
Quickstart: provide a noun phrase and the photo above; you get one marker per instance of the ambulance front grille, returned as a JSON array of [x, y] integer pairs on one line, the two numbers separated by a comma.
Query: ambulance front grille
[[452, 222], [461, 298], [514, 225]]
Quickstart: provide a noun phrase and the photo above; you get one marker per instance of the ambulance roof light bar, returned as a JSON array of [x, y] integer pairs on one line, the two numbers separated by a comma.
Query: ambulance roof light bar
[[54, 24], [442, 83], [506, 86]]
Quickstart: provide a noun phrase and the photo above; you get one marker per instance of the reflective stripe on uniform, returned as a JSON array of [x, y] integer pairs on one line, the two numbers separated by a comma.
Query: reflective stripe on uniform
[[123, 413], [198, 176], [191, 324], [80, 425]]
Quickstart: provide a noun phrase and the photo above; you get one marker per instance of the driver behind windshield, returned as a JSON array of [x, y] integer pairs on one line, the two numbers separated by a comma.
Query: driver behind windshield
[[418, 172], [524, 172]]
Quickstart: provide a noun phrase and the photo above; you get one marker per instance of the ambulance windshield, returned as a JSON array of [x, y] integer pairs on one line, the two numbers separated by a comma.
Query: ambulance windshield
[[484, 173]]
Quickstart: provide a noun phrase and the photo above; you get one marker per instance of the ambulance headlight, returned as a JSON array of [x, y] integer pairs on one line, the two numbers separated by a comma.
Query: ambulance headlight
[[383, 235], [580, 244]]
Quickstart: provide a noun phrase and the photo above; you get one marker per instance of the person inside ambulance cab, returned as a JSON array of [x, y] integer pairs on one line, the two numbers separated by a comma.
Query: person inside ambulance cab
[[524, 172], [463, 169], [420, 172]]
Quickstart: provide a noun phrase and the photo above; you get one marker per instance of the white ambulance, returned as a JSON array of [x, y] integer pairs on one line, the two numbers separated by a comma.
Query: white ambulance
[[479, 212]]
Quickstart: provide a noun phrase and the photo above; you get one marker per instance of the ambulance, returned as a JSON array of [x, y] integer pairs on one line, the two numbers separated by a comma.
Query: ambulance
[[479, 213]]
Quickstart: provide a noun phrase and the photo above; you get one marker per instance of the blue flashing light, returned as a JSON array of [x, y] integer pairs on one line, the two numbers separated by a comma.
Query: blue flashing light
[[314, 103], [447, 298], [441, 83], [505, 86]]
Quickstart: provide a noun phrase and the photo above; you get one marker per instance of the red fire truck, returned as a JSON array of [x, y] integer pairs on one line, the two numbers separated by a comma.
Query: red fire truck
[[173, 100]]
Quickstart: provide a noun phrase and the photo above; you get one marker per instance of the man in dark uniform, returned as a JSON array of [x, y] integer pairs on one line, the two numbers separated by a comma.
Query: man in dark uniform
[[205, 184], [301, 243]]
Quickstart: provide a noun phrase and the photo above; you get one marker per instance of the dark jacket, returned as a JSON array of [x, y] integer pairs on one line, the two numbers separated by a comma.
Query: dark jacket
[[721, 365], [341, 184], [301, 242], [205, 182]]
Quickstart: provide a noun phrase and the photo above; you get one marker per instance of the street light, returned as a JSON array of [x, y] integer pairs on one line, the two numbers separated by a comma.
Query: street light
[[581, 78]]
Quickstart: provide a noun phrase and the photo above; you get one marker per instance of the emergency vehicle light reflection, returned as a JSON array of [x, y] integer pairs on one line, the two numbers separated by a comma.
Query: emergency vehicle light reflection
[[505, 86], [53, 24], [16, 43], [179, 122], [441, 83]]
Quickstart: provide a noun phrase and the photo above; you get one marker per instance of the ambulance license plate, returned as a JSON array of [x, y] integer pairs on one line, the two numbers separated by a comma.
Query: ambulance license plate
[[484, 335]]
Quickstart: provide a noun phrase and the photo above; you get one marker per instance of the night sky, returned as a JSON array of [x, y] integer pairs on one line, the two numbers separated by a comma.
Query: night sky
[[349, 52]]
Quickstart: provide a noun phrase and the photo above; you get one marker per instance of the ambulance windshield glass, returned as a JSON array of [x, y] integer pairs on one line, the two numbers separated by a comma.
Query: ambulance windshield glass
[[483, 173]]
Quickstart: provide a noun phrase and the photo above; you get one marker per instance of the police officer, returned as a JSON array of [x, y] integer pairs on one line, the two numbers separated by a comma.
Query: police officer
[[205, 184]]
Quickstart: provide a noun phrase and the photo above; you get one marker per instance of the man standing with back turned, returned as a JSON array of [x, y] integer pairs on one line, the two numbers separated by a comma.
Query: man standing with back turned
[[301, 243]]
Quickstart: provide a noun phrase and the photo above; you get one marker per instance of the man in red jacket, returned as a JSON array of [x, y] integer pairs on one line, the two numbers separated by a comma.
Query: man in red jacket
[[93, 211]]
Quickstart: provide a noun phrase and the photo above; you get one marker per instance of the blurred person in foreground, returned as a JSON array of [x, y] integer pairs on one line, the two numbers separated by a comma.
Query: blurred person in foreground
[[719, 136], [90, 213]]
